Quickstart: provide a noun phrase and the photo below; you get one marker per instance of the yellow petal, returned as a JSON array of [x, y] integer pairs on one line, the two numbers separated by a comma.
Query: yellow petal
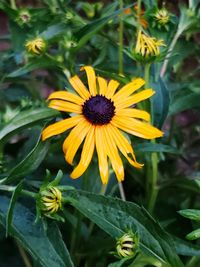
[[128, 89], [112, 87], [65, 106], [60, 127], [133, 112], [101, 152], [124, 146], [113, 154], [74, 140], [64, 95], [102, 85], [136, 98], [79, 87], [86, 155], [136, 127], [91, 79]]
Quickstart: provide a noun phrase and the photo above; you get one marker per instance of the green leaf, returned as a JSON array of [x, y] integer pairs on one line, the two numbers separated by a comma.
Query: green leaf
[[13, 200], [185, 248], [160, 103], [193, 235], [150, 147], [53, 31], [185, 102], [86, 32], [191, 214], [47, 248], [30, 163], [117, 217], [119, 263], [41, 63], [25, 119]]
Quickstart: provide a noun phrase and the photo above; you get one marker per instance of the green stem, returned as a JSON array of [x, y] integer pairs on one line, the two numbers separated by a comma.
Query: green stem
[[13, 4], [152, 173], [139, 2], [193, 262], [121, 33], [12, 188], [122, 193], [24, 256], [169, 52]]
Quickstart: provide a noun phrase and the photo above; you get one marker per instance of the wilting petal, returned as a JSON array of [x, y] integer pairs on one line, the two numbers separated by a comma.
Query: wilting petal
[[86, 155], [124, 146], [65, 106], [133, 112], [91, 77], [74, 140], [67, 96], [101, 152], [60, 126], [128, 89], [136, 127], [79, 87], [113, 154]]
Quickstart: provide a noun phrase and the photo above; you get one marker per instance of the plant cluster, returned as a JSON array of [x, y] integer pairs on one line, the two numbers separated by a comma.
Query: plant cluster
[[99, 133]]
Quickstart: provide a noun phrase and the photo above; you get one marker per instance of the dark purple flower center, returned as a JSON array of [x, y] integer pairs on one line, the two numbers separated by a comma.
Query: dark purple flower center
[[98, 110]]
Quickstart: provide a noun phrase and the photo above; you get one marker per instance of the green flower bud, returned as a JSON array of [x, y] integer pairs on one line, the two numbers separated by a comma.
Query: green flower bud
[[127, 245]]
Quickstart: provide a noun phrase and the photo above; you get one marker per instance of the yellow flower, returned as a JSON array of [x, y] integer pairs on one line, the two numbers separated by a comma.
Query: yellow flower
[[162, 16], [148, 46], [100, 114], [127, 245], [36, 46], [50, 200]]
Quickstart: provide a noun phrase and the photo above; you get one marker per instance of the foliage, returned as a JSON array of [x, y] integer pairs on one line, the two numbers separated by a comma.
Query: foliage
[[158, 204]]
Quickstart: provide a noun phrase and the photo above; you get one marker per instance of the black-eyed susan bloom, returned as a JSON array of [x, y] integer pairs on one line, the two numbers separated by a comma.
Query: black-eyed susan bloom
[[102, 113], [36, 46]]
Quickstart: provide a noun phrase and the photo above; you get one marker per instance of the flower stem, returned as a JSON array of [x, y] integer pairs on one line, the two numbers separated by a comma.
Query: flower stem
[[12, 188], [121, 33], [122, 193], [169, 52], [152, 173], [13, 4], [24, 255]]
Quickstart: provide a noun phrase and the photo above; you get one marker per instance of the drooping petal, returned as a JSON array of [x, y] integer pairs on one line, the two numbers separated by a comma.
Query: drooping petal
[[74, 140], [79, 87], [60, 126], [102, 85], [67, 96], [65, 106], [101, 152], [136, 98], [91, 77], [112, 87], [124, 146], [128, 89], [133, 112], [136, 127], [113, 154], [86, 155]]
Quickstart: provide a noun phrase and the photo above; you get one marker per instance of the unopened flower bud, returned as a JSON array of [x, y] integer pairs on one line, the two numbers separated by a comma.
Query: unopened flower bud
[[50, 200], [127, 245], [36, 46]]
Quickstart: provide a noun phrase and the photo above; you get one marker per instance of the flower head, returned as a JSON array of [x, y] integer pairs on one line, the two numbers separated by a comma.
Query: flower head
[[162, 16], [24, 17], [127, 245], [50, 200], [36, 46], [147, 48], [100, 114]]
